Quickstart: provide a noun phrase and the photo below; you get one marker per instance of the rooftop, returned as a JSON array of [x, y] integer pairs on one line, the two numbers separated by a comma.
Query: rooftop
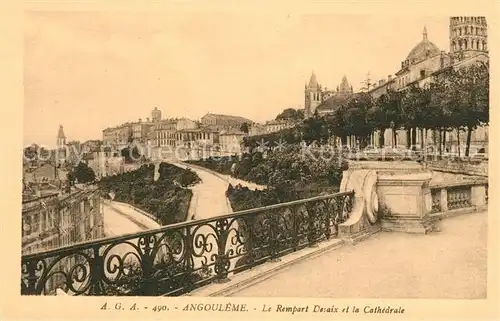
[[230, 117], [423, 49]]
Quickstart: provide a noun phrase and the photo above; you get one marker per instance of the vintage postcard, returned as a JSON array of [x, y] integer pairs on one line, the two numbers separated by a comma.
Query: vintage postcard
[[193, 159]]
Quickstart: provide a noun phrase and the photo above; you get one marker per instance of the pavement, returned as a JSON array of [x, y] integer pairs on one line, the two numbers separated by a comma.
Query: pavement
[[120, 219], [449, 264]]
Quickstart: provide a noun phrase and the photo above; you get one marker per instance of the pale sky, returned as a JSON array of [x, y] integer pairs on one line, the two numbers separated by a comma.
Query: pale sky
[[92, 70]]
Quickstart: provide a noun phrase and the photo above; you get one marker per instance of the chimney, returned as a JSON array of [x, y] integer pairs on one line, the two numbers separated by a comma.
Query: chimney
[[147, 119], [389, 78], [140, 120]]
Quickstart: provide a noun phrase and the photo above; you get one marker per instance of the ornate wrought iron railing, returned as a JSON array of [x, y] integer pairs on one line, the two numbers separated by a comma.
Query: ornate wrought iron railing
[[178, 258]]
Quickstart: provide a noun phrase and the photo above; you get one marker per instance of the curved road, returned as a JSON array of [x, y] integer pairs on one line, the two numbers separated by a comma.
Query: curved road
[[209, 200]]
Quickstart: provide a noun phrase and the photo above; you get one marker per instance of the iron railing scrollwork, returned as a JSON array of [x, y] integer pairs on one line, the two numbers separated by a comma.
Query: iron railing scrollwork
[[178, 258]]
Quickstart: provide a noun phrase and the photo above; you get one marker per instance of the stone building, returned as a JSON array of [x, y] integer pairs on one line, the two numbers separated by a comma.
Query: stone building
[[155, 115], [140, 131], [230, 142], [273, 126], [468, 43], [325, 101], [56, 220], [312, 96], [61, 153], [257, 129], [117, 137]]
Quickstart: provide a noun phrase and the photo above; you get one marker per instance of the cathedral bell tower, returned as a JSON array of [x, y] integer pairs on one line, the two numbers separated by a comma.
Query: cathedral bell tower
[[312, 95], [468, 36], [61, 146]]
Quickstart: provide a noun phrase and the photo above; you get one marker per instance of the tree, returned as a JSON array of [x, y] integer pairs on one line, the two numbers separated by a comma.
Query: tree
[[291, 114], [244, 128], [460, 101], [337, 124], [313, 129], [356, 117], [467, 98], [130, 154], [386, 110], [82, 174]]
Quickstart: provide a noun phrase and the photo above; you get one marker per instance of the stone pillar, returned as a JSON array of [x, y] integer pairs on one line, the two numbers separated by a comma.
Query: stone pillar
[[406, 201], [444, 199], [478, 195]]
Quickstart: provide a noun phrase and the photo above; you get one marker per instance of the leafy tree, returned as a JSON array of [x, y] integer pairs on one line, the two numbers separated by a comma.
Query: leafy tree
[[81, 173], [467, 98], [385, 111], [130, 154], [245, 128], [291, 114], [355, 117], [337, 124]]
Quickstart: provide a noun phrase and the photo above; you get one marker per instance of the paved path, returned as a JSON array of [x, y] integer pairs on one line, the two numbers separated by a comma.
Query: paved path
[[209, 196], [209, 200], [448, 264], [120, 219]]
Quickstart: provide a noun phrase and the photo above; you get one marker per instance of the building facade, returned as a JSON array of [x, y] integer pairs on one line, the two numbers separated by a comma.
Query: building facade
[[468, 44], [273, 126], [57, 220], [118, 136], [140, 131], [230, 142]]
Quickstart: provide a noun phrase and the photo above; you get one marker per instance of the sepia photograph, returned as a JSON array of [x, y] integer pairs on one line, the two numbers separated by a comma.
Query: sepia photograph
[[254, 155]]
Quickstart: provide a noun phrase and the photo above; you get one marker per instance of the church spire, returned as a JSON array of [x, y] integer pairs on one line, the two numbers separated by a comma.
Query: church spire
[[60, 134], [425, 33], [313, 82], [61, 138]]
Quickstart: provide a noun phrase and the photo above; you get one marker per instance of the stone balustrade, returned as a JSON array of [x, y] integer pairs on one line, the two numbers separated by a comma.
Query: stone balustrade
[[459, 196], [405, 196], [467, 168]]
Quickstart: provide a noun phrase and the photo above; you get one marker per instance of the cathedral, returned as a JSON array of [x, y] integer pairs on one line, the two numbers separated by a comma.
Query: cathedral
[[323, 101], [468, 44]]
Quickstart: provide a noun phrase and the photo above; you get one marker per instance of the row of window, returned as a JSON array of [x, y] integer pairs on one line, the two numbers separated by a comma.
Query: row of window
[[470, 19], [46, 219], [464, 44], [469, 30], [315, 96]]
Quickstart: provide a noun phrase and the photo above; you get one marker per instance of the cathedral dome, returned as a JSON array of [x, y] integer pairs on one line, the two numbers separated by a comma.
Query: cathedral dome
[[423, 49]]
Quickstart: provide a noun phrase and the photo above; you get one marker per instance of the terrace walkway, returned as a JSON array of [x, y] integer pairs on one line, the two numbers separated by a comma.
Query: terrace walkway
[[447, 264]]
